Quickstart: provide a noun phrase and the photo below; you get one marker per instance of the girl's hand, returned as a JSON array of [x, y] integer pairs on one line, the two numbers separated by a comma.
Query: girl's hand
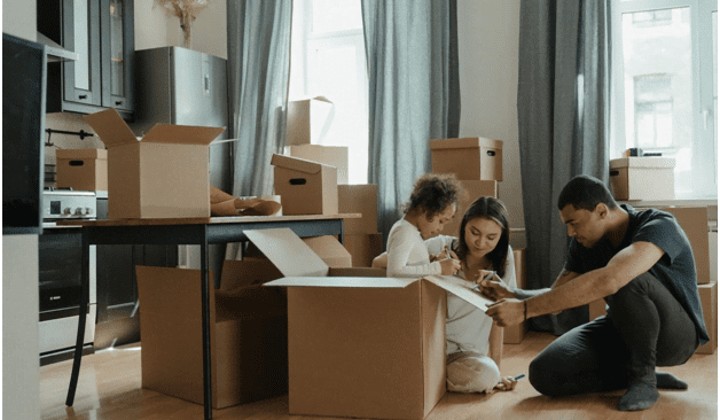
[[449, 266]]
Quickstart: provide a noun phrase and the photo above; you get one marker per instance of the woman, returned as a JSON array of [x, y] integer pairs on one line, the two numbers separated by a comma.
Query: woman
[[474, 342]]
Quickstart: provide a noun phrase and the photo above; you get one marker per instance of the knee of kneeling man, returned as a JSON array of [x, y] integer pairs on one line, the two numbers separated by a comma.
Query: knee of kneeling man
[[539, 376]]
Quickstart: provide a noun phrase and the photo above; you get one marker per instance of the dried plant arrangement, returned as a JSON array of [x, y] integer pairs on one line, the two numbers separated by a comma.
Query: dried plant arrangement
[[185, 10]]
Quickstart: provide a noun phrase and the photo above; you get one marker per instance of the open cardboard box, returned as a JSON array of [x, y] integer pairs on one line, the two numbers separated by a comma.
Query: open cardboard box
[[163, 175], [248, 335], [360, 346]]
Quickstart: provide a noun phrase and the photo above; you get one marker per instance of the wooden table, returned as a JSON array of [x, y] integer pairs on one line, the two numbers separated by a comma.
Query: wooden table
[[186, 231]]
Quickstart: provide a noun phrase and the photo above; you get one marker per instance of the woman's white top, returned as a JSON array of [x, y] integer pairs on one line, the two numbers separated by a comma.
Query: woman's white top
[[407, 255], [467, 327]]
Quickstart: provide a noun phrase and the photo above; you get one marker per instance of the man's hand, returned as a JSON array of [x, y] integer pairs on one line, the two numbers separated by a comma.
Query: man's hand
[[495, 289], [507, 312]]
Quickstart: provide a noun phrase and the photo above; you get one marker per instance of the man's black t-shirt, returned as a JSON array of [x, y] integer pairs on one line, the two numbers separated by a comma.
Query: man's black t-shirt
[[676, 268]]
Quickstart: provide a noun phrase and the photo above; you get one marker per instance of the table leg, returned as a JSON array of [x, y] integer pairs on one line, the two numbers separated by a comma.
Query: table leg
[[84, 282], [205, 293]]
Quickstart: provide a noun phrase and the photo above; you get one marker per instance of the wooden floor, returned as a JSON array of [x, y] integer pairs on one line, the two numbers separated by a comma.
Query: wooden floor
[[109, 389]]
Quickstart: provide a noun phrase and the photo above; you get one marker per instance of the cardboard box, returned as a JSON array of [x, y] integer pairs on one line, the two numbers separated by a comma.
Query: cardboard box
[[82, 169], [363, 247], [164, 175], [248, 338], [472, 158], [305, 187], [336, 156], [642, 178], [332, 252], [473, 190], [516, 333], [360, 346], [247, 272], [708, 299], [359, 199], [308, 120], [694, 221]]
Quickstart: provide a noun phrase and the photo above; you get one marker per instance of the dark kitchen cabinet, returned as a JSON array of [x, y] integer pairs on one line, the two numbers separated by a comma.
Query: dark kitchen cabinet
[[118, 319], [101, 32]]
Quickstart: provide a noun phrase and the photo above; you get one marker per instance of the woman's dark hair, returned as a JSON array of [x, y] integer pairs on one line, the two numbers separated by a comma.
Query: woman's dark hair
[[433, 193], [585, 192], [492, 209]]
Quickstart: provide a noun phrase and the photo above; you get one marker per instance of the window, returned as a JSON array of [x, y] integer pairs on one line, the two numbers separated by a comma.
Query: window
[[664, 93], [328, 59]]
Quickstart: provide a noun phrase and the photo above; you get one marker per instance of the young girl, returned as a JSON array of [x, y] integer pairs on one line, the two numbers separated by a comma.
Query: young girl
[[433, 203]]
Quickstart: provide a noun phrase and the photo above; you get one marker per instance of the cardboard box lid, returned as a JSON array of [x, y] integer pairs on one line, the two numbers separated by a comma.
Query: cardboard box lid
[[288, 252], [465, 142], [114, 131], [81, 154], [642, 162], [297, 164]]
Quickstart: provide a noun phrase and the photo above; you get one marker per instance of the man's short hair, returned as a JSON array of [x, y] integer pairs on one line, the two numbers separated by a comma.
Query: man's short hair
[[585, 192]]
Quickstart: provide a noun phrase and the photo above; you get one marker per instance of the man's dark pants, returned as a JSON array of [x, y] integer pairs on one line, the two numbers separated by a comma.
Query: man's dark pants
[[645, 327]]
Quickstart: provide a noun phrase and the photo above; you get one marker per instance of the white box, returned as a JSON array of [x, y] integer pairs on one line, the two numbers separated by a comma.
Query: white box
[[642, 178]]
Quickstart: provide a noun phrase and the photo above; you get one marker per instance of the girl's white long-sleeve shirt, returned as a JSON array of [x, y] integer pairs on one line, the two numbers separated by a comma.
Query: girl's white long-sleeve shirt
[[407, 254]]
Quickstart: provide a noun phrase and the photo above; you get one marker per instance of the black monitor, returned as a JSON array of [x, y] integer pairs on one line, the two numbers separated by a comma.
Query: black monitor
[[24, 81]]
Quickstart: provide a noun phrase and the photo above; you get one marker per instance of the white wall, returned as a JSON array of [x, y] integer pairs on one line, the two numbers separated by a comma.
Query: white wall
[[155, 28], [488, 34]]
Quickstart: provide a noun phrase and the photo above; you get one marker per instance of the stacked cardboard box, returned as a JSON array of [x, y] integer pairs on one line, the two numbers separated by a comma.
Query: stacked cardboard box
[[642, 178], [304, 186], [336, 156], [361, 237], [82, 169]]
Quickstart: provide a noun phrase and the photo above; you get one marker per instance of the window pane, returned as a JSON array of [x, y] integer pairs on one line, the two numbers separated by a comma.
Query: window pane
[[658, 79], [336, 15]]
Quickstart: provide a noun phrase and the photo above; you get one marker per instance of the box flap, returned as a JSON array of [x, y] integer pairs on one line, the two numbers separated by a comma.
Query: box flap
[[354, 282], [330, 250], [182, 134], [81, 154], [297, 164], [460, 289], [288, 252], [465, 142], [111, 128], [642, 162]]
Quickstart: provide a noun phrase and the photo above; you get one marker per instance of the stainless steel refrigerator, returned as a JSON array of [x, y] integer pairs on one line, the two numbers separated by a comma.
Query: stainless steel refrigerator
[[176, 85]]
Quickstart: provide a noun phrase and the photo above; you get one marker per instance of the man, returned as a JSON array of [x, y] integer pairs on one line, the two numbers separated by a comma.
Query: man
[[642, 264]]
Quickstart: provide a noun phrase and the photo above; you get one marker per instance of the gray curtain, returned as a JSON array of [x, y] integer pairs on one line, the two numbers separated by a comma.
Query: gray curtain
[[411, 48], [563, 108], [259, 71]]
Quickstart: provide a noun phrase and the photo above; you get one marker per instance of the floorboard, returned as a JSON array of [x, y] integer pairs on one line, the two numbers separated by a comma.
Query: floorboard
[[110, 389]]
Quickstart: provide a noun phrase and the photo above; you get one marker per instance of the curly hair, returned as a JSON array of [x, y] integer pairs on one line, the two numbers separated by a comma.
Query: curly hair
[[492, 209], [433, 193]]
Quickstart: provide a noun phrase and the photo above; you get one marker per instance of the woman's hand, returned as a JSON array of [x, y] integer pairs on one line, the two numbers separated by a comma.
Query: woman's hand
[[507, 383]]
